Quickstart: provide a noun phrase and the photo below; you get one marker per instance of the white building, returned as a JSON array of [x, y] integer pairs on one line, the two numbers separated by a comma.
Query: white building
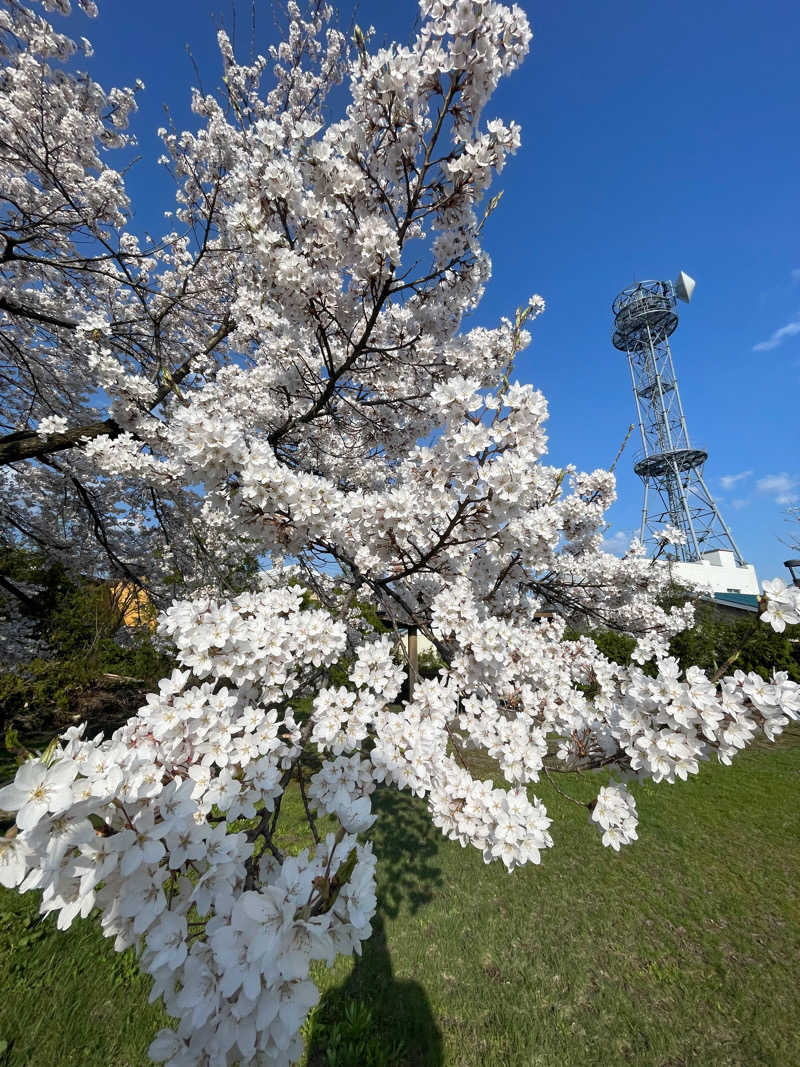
[[720, 572]]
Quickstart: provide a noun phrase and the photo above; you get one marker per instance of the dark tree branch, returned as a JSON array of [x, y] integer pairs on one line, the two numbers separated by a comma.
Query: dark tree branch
[[23, 598], [27, 444], [31, 313]]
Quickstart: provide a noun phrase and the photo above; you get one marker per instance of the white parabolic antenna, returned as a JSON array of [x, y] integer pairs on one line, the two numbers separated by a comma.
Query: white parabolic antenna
[[684, 286]]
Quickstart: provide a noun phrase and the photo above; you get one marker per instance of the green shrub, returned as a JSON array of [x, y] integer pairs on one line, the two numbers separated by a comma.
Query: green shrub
[[88, 667], [429, 663], [744, 644], [754, 645]]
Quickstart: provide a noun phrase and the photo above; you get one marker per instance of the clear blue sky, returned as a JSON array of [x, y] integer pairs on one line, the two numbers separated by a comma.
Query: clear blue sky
[[655, 138]]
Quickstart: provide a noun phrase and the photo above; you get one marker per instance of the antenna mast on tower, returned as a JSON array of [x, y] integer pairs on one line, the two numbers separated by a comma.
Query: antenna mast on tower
[[645, 316]]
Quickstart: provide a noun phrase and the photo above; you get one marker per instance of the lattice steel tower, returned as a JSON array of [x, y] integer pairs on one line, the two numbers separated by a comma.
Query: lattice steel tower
[[645, 316]]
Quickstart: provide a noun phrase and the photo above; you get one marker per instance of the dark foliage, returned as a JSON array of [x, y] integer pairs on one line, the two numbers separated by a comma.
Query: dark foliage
[[90, 664], [716, 641]]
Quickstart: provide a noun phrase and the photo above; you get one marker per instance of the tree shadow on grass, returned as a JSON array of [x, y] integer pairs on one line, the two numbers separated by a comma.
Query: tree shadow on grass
[[374, 1019], [407, 846]]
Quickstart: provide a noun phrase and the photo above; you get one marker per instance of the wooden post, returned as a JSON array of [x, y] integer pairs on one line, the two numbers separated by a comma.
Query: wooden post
[[413, 661]]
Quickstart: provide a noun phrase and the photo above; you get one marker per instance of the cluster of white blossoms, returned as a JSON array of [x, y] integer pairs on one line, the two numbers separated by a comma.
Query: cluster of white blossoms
[[300, 394], [343, 787], [140, 827], [615, 812], [156, 827], [503, 824], [783, 604], [257, 637]]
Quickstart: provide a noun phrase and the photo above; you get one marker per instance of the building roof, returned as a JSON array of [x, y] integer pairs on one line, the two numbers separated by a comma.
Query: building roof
[[742, 601]]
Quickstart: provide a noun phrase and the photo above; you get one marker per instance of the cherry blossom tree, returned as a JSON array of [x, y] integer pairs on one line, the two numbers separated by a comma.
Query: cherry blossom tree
[[99, 325], [287, 372]]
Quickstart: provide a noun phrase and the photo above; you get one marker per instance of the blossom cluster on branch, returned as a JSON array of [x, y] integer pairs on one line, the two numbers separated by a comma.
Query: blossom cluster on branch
[[167, 827], [285, 375]]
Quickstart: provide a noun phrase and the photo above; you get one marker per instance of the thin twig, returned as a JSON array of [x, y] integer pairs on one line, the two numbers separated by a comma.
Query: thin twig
[[311, 821], [572, 800]]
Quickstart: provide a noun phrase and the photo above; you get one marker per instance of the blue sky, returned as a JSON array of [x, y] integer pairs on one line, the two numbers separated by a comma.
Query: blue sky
[[655, 138]]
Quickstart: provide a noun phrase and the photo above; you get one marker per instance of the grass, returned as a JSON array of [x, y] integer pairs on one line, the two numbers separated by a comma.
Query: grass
[[683, 949]]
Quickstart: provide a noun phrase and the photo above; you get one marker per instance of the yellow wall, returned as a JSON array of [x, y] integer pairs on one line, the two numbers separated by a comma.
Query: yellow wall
[[134, 604]]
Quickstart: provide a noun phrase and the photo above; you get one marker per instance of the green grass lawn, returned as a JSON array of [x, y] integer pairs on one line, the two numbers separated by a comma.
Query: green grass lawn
[[683, 949]]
